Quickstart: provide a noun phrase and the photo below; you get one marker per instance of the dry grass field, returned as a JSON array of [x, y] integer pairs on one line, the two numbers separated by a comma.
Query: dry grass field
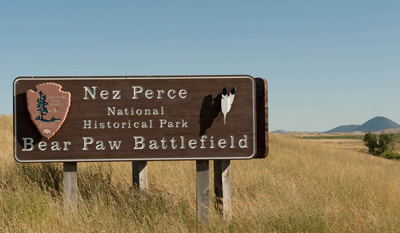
[[350, 141], [302, 186], [349, 144]]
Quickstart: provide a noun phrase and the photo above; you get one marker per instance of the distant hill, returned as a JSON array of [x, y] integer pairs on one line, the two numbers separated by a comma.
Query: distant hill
[[378, 124], [281, 131], [375, 124], [343, 128]]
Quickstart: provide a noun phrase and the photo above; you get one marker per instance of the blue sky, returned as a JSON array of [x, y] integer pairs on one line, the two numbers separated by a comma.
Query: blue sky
[[328, 63]]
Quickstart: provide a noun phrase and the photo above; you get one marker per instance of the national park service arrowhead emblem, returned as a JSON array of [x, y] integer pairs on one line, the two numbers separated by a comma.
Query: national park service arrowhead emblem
[[48, 107]]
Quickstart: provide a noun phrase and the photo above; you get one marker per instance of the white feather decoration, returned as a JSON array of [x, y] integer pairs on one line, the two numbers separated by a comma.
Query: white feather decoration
[[227, 101], [232, 97]]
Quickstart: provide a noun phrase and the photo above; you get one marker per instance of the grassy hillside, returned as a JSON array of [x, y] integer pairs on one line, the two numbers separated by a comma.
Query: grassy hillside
[[301, 186]]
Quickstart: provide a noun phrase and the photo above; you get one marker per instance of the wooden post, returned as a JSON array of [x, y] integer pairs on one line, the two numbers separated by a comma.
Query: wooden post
[[202, 189], [70, 186], [222, 187], [139, 174]]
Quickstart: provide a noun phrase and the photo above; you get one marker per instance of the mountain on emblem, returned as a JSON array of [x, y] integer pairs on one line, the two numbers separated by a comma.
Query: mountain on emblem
[[48, 107]]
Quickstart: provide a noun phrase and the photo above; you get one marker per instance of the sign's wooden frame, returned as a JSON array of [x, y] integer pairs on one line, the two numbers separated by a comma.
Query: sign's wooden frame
[[260, 118]]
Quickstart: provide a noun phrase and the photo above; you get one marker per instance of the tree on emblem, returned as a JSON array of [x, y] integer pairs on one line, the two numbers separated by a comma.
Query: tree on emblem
[[41, 106]]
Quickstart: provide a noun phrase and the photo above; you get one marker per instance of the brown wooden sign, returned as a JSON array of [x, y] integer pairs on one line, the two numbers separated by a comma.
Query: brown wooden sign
[[74, 119]]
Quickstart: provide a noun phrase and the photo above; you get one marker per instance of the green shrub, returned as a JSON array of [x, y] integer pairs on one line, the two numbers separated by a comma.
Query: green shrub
[[371, 141], [390, 154], [380, 146]]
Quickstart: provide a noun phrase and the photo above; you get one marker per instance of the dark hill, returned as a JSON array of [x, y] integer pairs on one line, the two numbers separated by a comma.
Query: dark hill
[[343, 128], [373, 125], [378, 124]]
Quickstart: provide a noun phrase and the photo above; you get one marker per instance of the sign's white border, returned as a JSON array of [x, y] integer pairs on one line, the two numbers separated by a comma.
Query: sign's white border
[[47, 78]]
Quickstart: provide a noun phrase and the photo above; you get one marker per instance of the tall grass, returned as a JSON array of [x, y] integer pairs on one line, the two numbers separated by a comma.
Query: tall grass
[[301, 186]]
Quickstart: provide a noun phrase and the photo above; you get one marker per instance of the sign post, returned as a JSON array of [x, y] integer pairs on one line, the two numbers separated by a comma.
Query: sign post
[[202, 189], [139, 174], [222, 187], [70, 186]]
